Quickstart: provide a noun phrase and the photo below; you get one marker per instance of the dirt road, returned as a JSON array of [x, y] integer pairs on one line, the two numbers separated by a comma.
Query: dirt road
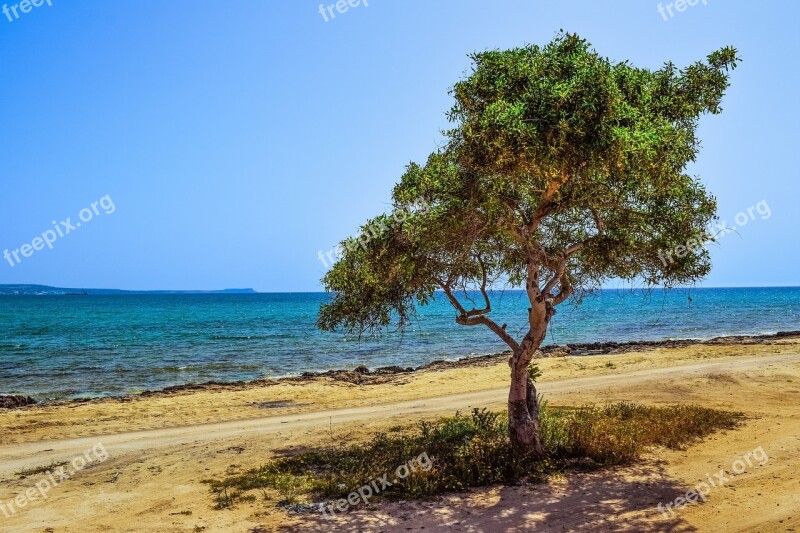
[[16, 456]]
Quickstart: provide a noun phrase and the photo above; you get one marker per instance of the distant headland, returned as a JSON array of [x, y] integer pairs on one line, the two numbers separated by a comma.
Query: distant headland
[[44, 290]]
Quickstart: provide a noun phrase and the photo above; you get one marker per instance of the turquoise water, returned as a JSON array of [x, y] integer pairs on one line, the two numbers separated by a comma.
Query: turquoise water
[[55, 347]]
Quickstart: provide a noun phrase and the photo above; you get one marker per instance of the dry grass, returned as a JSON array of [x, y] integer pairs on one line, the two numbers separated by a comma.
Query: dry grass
[[474, 450]]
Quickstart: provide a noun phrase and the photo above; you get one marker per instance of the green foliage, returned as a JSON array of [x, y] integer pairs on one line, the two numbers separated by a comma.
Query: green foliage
[[470, 451], [534, 372], [556, 153]]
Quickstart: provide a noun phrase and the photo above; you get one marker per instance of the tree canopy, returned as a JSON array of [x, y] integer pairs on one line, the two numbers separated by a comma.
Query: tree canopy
[[562, 169]]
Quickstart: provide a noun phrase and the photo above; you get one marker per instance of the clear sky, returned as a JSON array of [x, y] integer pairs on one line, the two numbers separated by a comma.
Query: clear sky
[[236, 139]]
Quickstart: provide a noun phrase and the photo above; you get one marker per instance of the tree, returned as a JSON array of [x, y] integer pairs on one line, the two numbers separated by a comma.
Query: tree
[[563, 169]]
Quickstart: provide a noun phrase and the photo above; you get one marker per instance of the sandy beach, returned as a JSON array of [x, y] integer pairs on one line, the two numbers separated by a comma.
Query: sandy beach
[[162, 446]]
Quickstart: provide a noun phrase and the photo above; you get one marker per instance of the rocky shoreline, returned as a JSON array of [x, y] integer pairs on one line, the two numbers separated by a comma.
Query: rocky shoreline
[[361, 375]]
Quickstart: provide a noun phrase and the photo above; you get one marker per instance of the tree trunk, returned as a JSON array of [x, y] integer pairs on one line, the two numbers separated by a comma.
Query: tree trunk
[[523, 410]]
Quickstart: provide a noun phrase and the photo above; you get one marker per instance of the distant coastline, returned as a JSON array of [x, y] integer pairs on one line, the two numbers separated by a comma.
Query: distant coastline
[[45, 290]]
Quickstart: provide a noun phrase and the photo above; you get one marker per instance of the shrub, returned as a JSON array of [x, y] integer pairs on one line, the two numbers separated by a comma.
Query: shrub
[[469, 451]]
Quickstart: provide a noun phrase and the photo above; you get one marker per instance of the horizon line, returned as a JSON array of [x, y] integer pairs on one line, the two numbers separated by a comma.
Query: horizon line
[[250, 290]]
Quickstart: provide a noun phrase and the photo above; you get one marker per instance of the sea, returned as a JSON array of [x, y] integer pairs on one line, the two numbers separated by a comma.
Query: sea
[[66, 347]]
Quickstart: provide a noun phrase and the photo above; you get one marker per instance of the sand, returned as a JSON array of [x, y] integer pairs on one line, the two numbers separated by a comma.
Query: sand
[[161, 447]]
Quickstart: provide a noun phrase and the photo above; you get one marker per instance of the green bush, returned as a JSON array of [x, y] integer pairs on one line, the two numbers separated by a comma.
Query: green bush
[[474, 450]]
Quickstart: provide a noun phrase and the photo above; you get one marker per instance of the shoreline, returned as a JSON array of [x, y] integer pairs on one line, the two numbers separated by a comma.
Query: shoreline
[[361, 375]]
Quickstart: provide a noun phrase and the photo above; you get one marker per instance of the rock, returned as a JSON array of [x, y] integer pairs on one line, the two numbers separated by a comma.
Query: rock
[[14, 402]]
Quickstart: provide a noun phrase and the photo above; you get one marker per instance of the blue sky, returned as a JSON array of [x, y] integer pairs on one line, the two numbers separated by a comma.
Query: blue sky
[[237, 139]]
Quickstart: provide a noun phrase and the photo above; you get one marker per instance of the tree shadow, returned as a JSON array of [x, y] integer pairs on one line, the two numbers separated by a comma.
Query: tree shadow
[[623, 499]]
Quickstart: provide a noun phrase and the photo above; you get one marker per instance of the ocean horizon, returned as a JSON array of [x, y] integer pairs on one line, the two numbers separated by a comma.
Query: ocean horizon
[[57, 347]]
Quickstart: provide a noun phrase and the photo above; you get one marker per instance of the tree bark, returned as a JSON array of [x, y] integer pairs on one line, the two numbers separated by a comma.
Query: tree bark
[[523, 410], [523, 405]]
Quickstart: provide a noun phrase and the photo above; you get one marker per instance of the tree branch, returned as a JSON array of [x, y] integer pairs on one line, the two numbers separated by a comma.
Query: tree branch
[[564, 292], [532, 282], [453, 300], [546, 202], [560, 275], [466, 320], [598, 222], [491, 324], [557, 275], [488, 304]]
